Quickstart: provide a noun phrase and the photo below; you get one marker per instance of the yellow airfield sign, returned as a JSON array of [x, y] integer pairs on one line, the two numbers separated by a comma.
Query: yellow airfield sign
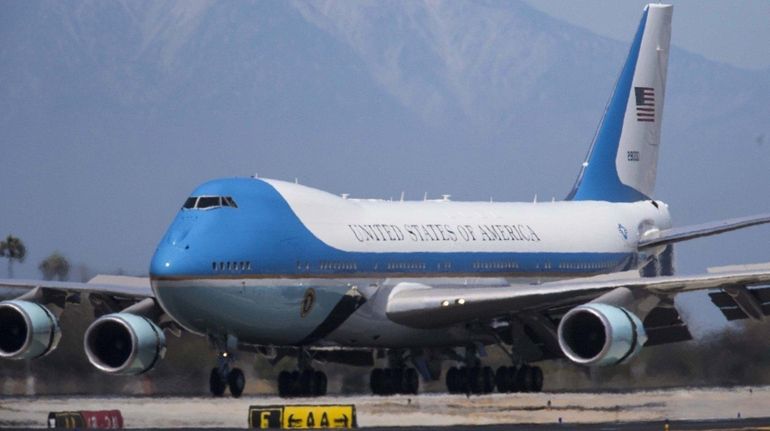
[[313, 416]]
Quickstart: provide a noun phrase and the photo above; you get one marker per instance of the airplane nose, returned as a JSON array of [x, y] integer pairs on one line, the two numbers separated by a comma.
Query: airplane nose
[[171, 260]]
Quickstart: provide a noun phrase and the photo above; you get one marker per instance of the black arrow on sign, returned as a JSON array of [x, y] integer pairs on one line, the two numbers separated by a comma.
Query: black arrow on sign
[[294, 423], [343, 421]]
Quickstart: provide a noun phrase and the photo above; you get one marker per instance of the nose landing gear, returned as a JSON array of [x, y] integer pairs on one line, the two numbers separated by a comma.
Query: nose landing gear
[[223, 377]]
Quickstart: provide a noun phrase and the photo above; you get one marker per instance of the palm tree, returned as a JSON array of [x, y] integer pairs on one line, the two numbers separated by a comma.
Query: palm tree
[[12, 249], [55, 266]]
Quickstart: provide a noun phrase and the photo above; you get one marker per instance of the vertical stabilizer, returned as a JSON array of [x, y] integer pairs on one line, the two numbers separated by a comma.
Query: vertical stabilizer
[[622, 162]]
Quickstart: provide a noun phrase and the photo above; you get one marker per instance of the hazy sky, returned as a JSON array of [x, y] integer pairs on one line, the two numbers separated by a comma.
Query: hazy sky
[[742, 39]]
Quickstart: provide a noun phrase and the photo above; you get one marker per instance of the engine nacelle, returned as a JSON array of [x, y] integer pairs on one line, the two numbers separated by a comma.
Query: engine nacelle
[[27, 330], [600, 334], [124, 343]]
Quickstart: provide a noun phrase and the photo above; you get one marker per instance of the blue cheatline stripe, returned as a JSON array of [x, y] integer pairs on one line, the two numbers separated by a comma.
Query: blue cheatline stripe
[[599, 180], [265, 231]]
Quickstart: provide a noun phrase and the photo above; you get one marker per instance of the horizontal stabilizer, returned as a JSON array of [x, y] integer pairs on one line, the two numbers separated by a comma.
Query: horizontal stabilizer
[[670, 236]]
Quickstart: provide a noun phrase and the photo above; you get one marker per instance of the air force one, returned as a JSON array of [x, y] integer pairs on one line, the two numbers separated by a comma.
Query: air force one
[[284, 270]]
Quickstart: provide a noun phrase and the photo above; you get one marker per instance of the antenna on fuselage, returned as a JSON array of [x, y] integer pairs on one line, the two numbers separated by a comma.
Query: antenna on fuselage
[[402, 195], [425, 196], [296, 180]]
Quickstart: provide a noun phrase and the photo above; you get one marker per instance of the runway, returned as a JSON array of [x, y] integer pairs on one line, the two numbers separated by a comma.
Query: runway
[[736, 408]]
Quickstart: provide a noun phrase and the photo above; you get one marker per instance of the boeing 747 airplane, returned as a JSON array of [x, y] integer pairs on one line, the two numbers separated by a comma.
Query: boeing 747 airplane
[[284, 270]]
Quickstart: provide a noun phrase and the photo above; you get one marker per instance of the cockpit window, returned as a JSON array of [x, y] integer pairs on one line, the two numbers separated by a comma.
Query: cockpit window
[[189, 203], [209, 202]]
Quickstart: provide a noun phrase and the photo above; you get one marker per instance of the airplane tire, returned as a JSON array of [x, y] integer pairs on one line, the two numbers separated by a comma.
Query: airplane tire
[[487, 380], [294, 387], [398, 384], [524, 379], [376, 379], [306, 383], [236, 381], [217, 384], [284, 384], [319, 383], [452, 378], [462, 381], [475, 382], [412, 381], [501, 379], [506, 379], [387, 382], [537, 379]]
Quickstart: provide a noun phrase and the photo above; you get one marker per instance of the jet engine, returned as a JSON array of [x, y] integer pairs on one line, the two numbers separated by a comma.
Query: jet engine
[[27, 330], [124, 343], [600, 334]]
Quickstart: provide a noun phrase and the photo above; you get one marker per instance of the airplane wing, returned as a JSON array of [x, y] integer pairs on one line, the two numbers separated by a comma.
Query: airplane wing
[[422, 306], [673, 235], [132, 287], [106, 293]]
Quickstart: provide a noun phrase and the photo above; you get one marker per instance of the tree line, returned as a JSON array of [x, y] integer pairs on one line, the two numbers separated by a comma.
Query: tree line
[[54, 267]]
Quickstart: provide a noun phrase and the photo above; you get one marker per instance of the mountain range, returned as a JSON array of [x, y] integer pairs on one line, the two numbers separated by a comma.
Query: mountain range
[[111, 112]]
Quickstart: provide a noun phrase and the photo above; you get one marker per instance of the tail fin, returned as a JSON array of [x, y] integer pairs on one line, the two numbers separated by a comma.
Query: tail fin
[[622, 162]]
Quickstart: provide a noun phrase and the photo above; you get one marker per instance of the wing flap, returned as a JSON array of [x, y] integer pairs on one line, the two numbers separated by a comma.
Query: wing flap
[[743, 303], [664, 325]]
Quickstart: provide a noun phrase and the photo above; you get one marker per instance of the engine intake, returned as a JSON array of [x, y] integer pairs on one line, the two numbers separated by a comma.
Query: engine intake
[[124, 343], [27, 330], [600, 334]]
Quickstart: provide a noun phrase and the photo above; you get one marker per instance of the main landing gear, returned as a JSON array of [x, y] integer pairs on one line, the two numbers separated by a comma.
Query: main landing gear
[[397, 378], [481, 380], [519, 379], [473, 378], [223, 377], [305, 382], [390, 381], [470, 380]]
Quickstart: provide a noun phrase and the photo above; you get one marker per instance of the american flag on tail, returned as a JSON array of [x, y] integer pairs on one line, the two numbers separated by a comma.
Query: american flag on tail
[[645, 104]]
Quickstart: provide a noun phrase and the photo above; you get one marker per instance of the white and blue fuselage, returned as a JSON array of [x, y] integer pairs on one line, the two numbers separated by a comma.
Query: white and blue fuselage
[[243, 262]]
